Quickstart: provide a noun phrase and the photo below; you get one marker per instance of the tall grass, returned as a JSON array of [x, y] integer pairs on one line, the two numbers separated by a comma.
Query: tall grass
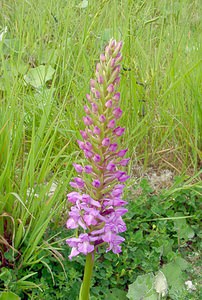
[[162, 51], [161, 96]]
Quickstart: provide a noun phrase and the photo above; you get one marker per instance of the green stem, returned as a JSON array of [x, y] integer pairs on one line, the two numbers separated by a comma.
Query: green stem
[[85, 287]]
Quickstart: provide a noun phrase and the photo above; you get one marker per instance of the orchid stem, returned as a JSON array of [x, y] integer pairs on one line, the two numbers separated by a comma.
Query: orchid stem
[[85, 286]]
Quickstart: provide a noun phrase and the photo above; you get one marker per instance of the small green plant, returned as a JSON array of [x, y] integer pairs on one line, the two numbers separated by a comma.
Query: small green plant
[[151, 246]]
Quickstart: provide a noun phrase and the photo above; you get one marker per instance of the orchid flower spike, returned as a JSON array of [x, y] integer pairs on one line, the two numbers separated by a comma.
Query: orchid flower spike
[[97, 201]]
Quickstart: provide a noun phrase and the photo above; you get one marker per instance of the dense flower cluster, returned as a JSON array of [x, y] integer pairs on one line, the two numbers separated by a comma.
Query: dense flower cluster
[[97, 202]]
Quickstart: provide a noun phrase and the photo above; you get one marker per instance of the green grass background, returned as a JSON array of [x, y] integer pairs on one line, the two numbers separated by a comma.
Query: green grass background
[[162, 50], [161, 99]]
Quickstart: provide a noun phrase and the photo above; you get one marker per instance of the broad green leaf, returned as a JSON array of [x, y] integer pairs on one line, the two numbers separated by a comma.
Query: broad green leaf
[[142, 288], [37, 77], [182, 263], [9, 296], [160, 284], [175, 276]]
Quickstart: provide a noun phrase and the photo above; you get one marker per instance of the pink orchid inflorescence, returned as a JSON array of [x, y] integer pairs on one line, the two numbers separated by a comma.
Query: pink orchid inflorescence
[[98, 206]]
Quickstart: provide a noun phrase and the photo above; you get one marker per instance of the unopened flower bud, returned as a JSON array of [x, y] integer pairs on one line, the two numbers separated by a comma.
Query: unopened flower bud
[[84, 134], [119, 131], [88, 97], [88, 169], [102, 118], [78, 168], [111, 167], [106, 142], [113, 147], [87, 121], [108, 104], [97, 94], [122, 153], [111, 124], [110, 88], [96, 183], [116, 96], [94, 107], [117, 112], [102, 57], [100, 79], [87, 110], [96, 130], [92, 83], [97, 158]]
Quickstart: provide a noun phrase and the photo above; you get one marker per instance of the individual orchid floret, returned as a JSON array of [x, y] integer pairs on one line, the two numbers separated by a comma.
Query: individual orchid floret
[[78, 168], [97, 204]]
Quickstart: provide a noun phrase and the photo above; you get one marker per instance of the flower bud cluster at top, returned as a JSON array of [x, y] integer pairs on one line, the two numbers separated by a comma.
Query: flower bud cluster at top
[[97, 202]]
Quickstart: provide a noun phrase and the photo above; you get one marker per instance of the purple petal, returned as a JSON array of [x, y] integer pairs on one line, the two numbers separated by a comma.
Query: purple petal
[[71, 223], [73, 253], [73, 197], [85, 248], [123, 178]]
